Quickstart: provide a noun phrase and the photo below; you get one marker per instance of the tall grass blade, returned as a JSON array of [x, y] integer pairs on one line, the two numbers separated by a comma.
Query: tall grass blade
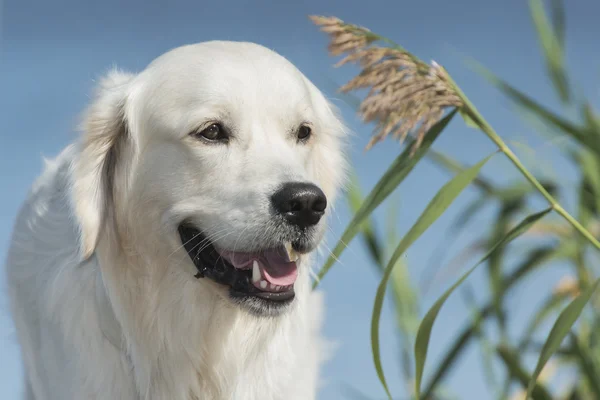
[[536, 259], [559, 21], [548, 308], [552, 46], [511, 361], [355, 200], [561, 328], [405, 297], [454, 166], [424, 333], [460, 222], [578, 133], [436, 207], [399, 170], [587, 365], [590, 168], [486, 345]]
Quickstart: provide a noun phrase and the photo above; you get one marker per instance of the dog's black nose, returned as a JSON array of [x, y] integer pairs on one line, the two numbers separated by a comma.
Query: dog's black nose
[[301, 204]]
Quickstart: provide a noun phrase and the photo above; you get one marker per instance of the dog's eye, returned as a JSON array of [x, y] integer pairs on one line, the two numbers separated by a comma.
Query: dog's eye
[[304, 133], [215, 132]]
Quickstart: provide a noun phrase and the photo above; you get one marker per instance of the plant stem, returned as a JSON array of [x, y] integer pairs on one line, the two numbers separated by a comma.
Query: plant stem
[[472, 113]]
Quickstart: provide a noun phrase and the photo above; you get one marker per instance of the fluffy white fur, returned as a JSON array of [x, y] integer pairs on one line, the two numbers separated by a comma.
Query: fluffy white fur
[[103, 295]]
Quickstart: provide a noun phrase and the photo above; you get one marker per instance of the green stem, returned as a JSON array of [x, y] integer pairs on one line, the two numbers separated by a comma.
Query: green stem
[[472, 113]]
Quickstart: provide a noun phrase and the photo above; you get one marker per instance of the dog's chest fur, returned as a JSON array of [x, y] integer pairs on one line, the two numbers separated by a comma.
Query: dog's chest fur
[[203, 346]]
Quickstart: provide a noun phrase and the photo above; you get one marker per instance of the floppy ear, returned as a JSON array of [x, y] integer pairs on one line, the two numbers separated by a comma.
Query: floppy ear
[[104, 127]]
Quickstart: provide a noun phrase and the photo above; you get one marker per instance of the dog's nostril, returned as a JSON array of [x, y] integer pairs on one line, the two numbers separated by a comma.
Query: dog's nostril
[[301, 204], [320, 204]]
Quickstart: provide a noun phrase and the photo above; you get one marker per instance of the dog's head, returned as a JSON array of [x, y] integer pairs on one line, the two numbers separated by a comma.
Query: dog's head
[[222, 155]]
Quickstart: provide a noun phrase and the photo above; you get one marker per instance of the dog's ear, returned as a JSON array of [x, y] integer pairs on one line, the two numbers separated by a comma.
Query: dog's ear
[[104, 127]]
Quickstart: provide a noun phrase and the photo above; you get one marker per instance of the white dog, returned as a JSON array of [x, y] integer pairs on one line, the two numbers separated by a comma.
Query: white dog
[[166, 255]]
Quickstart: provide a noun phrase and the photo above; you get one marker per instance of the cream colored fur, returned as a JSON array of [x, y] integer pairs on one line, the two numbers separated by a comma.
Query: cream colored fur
[[103, 295]]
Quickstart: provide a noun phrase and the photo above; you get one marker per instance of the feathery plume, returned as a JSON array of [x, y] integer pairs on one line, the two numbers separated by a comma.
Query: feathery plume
[[406, 95]]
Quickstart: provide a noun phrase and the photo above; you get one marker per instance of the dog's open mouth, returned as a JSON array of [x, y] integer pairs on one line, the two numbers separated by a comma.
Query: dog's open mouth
[[267, 274]]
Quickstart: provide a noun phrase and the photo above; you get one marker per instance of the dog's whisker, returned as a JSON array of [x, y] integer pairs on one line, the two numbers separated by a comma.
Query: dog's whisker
[[234, 246], [192, 238], [183, 245], [331, 253], [206, 240]]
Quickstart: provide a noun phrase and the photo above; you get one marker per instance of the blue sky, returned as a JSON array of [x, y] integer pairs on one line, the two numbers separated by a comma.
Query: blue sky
[[52, 51]]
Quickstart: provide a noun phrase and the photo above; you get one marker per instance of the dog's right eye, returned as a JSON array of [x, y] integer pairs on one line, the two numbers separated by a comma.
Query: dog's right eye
[[213, 133]]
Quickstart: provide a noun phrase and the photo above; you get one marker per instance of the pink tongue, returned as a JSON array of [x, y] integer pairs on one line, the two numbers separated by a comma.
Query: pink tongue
[[281, 274], [275, 266]]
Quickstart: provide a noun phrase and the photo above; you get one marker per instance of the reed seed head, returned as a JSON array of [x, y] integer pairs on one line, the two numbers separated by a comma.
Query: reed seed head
[[567, 286], [405, 95]]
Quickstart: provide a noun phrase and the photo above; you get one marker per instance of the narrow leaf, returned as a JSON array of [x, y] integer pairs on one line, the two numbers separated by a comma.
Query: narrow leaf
[[371, 241], [536, 259], [468, 120], [533, 106], [587, 364], [561, 328], [396, 173], [558, 21], [549, 118], [552, 48], [424, 333], [436, 207], [454, 166], [548, 308], [511, 361]]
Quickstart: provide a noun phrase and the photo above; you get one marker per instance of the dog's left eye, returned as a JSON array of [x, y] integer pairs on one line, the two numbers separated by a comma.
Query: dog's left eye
[[303, 133], [215, 132]]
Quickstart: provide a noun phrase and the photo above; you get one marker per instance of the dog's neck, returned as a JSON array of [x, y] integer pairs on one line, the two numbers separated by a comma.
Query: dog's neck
[[181, 337]]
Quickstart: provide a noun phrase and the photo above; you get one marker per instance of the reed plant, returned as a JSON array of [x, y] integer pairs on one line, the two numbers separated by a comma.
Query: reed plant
[[413, 101]]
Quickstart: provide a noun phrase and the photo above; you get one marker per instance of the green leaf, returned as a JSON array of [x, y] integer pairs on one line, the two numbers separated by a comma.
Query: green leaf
[[454, 166], [424, 333], [468, 120], [576, 132], [511, 361], [558, 21], [561, 328], [487, 347], [536, 259], [587, 365], [396, 173], [591, 119], [436, 207], [438, 253], [355, 200], [550, 305], [552, 46]]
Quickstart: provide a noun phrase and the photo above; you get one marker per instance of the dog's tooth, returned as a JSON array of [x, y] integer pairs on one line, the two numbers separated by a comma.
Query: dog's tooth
[[255, 272], [277, 287], [263, 284], [272, 287], [292, 255]]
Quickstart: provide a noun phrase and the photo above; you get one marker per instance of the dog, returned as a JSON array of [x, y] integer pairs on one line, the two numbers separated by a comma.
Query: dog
[[166, 253]]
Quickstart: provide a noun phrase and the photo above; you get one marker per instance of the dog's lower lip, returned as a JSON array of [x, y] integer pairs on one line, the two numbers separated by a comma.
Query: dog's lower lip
[[211, 265], [279, 297]]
